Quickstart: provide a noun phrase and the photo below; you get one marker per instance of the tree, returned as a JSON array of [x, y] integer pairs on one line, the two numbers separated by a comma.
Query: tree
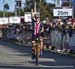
[[7, 14], [1, 13], [27, 7], [49, 8], [42, 6], [6, 6]]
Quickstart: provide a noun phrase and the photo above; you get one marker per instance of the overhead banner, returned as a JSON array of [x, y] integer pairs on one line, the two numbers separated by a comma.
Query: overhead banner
[[15, 20], [62, 12], [3, 20]]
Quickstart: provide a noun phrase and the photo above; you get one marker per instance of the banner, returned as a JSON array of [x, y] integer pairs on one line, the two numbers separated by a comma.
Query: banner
[[15, 20], [62, 12], [3, 20], [28, 17]]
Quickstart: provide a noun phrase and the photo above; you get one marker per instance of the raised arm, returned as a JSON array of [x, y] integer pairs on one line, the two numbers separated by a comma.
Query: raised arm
[[32, 13]]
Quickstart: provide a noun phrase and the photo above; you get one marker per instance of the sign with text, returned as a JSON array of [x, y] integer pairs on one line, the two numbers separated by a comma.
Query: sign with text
[[3, 20], [62, 12], [15, 20], [28, 16]]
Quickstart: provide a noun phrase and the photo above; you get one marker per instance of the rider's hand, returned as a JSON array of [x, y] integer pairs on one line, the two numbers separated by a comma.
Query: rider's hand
[[33, 13], [42, 30]]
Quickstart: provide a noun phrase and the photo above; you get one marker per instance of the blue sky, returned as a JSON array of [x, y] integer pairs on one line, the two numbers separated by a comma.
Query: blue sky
[[50, 1], [12, 4]]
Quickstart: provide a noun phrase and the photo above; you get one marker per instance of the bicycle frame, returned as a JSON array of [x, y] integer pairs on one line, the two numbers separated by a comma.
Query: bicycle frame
[[37, 50]]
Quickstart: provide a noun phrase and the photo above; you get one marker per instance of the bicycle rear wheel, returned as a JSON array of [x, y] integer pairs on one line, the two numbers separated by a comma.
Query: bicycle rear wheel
[[37, 55]]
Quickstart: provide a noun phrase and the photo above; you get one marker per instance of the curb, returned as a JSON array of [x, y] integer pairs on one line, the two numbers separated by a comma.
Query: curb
[[60, 53]]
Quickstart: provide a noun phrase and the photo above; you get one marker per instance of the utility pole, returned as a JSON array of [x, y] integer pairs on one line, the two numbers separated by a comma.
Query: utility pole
[[72, 5], [35, 6], [17, 6], [15, 9], [56, 3], [3, 8], [70, 2]]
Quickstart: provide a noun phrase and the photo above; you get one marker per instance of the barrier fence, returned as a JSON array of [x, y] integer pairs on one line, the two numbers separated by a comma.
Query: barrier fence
[[55, 40]]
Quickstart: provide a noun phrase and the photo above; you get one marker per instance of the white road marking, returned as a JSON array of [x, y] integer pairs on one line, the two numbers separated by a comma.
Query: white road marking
[[53, 66]]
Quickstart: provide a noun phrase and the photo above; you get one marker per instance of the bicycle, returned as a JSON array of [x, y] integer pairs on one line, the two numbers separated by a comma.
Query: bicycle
[[37, 50]]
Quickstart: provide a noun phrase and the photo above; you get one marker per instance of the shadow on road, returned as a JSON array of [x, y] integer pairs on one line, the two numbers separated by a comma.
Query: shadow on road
[[52, 59], [16, 47]]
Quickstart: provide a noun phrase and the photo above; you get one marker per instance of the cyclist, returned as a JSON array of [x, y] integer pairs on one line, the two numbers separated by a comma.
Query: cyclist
[[37, 30]]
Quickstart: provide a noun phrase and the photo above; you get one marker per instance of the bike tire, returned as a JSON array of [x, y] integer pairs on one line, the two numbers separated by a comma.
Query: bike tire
[[37, 56]]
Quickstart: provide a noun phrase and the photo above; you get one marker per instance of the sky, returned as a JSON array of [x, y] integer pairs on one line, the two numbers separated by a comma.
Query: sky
[[12, 4]]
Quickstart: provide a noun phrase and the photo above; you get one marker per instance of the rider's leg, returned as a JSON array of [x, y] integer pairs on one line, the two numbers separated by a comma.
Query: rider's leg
[[41, 45], [33, 49]]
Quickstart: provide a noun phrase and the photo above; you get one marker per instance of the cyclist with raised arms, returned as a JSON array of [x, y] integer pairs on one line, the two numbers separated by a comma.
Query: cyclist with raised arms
[[37, 30]]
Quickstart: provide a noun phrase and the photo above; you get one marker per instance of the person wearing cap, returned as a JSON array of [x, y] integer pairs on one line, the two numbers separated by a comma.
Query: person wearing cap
[[37, 30]]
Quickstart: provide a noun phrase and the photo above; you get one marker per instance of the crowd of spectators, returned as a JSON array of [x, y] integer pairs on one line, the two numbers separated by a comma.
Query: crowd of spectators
[[57, 32]]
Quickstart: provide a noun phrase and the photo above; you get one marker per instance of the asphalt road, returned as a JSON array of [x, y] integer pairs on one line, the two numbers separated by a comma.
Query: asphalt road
[[13, 56]]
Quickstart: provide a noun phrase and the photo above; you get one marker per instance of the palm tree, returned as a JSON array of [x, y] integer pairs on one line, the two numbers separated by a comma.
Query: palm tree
[[3, 8], [6, 7]]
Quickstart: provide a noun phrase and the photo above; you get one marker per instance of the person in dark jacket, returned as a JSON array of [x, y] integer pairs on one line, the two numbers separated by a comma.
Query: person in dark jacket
[[37, 30]]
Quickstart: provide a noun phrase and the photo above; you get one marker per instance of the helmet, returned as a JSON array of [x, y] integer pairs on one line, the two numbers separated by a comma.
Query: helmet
[[37, 16]]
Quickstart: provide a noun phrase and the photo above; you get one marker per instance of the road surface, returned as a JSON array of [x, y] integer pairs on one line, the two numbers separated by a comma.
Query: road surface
[[13, 56]]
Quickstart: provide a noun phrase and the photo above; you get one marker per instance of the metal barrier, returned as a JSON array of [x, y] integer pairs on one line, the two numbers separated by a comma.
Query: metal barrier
[[57, 41], [54, 41]]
